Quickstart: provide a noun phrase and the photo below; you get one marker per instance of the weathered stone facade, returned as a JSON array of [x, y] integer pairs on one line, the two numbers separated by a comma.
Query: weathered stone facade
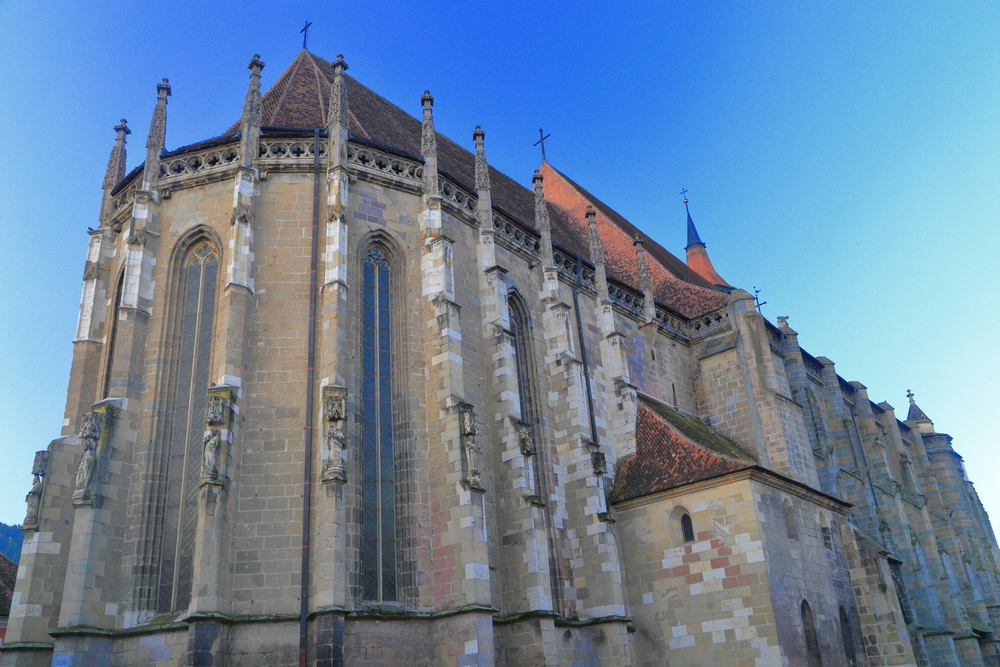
[[344, 395]]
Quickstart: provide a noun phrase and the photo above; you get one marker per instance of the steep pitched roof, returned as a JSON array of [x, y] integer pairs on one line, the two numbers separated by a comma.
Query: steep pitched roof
[[674, 283], [299, 98], [673, 450]]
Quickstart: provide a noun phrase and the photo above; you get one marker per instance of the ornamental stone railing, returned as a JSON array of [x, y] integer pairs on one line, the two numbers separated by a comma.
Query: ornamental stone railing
[[566, 264], [376, 161], [215, 159], [457, 195], [707, 324], [516, 236]]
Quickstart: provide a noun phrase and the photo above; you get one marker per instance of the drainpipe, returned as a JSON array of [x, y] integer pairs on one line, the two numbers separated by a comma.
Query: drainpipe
[[310, 402]]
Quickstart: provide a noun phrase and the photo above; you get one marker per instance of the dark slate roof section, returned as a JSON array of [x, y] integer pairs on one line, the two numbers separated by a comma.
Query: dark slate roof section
[[915, 413], [667, 456], [693, 238], [8, 577]]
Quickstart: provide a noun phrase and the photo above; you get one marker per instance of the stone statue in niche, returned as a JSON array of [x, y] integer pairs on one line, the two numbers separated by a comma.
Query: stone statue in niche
[[526, 441], [335, 411], [210, 456], [83, 493], [470, 450], [600, 463], [34, 497], [335, 470]]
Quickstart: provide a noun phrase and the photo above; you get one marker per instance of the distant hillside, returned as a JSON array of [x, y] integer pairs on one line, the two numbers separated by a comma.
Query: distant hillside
[[10, 541]]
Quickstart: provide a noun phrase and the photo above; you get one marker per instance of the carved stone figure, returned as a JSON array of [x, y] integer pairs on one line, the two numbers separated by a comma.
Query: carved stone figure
[[90, 429], [470, 449], [33, 499], [600, 463], [335, 470], [210, 456], [217, 411], [83, 492], [526, 441], [335, 407]]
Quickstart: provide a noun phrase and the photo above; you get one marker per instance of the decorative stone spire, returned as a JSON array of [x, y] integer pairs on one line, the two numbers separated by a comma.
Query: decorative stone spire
[[337, 119], [485, 208], [645, 280], [697, 256], [116, 167], [252, 114], [116, 163], [542, 219], [157, 136], [597, 254], [428, 144]]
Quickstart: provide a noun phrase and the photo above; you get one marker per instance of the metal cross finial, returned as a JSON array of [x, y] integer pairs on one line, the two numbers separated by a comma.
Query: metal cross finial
[[305, 34], [541, 142], [684, 192], [756, 298]]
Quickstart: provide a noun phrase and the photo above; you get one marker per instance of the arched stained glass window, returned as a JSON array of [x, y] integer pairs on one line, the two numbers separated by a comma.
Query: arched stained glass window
[[522, 360], [112, 338], [199, 277], [378, 493]]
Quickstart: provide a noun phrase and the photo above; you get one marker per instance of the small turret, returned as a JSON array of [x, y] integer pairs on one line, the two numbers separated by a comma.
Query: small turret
[[915, 414], [697, 256]]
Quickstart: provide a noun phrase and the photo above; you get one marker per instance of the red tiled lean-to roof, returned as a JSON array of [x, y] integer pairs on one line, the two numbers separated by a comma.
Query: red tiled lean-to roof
[[673, 450], [299, 98]]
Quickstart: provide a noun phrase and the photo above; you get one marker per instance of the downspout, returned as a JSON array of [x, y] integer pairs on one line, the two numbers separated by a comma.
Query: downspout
[[583, 348], [310, 402]]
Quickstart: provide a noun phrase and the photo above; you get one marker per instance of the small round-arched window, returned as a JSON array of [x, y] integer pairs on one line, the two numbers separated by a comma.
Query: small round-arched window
[[687, 528]]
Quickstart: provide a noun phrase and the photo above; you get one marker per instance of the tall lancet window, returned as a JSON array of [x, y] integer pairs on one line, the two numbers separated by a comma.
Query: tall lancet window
[[522, 359], [378, 493], [199, 276]]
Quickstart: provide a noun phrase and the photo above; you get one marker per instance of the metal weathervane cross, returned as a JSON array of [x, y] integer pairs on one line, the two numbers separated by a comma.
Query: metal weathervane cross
[[305, 34], [541, 142]]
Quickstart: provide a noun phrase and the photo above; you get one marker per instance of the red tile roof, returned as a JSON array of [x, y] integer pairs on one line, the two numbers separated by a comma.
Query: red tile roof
[[299, 98], [674, 283], [8, 578], [667, 458]]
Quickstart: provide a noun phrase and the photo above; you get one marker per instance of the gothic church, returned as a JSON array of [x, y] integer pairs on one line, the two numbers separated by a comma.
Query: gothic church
[[343, 394]]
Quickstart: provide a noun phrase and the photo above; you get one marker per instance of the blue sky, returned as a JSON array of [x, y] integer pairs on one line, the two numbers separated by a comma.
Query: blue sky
[[843, 157]]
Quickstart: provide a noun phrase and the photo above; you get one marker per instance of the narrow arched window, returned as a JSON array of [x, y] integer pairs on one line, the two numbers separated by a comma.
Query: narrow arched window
[[812, 641], [198, 281], [790, 526], [378, 474], [112, 337], [847, 634], [687, 529], [522, 359]]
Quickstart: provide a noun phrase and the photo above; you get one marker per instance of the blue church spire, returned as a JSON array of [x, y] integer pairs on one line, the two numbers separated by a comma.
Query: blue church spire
[[693, 238]]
